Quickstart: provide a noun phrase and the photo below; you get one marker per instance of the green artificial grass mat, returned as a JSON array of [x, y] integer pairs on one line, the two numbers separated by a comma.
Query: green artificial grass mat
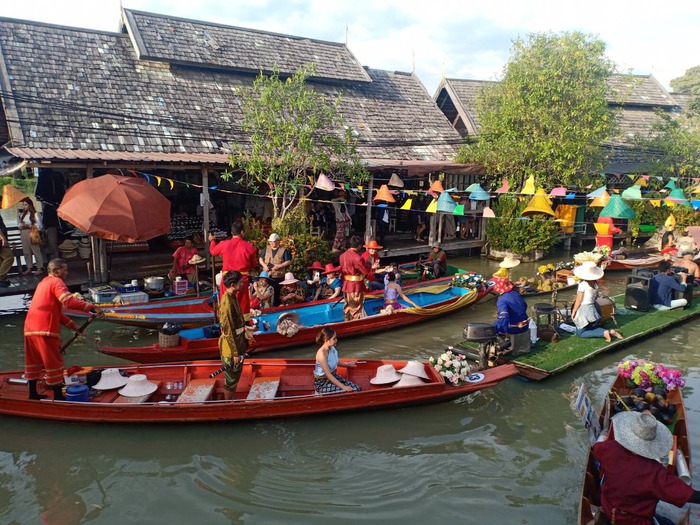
[[570, 349]]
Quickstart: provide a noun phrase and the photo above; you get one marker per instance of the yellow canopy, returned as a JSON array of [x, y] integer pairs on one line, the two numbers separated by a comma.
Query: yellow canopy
[[540, 203]]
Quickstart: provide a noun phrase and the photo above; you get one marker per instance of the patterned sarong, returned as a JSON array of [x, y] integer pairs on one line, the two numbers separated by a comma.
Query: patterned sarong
[[323, 386]]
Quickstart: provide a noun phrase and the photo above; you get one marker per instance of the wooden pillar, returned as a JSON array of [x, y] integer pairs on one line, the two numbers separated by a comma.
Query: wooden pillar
[[368, 218], [94, 246], [206, 205]]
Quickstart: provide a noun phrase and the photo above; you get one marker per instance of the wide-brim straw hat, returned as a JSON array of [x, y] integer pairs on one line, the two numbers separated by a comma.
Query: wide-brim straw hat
[[289, 278], [11, 196], [414, 368], [588, 271], [509, 262], [315, 266], [385, 374], [138, 385], [197, 259], [373, 245], [330, 269], [110, 379], [642, 434], [408, 380], [292, 316]]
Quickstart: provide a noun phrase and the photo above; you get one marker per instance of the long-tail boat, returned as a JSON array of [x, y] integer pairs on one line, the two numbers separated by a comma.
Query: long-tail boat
[[201, 343], [268, 388]]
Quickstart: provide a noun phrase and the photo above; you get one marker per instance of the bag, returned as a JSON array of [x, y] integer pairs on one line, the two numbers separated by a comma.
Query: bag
[[34, 236], [548, 334]]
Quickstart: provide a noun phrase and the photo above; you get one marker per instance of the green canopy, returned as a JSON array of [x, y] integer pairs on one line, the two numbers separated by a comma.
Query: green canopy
[[617, 209]]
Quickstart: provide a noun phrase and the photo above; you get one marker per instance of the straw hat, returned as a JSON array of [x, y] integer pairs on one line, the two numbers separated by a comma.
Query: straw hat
[[138, 385], [372, 245], [11, 196], [273, 237], [384, 194], [509, 262], [588, 271], [642, 434], [385, 374], [315, 266], [196, 259], [110, 378], [292, 316], [414, 368], [289, 278], [408, 380], [330, 269]]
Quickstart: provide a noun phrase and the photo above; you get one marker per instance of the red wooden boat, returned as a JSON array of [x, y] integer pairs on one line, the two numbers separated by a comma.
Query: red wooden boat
[[269, 388], [590, 493], [198, 343], [191, 311]]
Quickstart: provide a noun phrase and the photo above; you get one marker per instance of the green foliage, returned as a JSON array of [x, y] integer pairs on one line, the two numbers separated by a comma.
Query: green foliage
[[689, 82], [294, 131], [25, 185], [508, 232], [549, 115], [657, 215]]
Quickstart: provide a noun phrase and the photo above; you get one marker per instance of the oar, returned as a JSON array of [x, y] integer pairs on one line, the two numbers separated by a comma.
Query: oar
[[228, 367], [78, 332], [336, 303]]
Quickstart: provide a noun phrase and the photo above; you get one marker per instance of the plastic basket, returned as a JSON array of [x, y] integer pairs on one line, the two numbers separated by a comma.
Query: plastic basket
[[180, 287], [168, 341]]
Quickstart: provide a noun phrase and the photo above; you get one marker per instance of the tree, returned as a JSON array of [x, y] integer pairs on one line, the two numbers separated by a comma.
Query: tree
[[549, 116], [689, 82], [294, 131]]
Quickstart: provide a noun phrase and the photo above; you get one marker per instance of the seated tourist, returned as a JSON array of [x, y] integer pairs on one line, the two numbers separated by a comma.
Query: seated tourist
[[662, 286], [291, 291]]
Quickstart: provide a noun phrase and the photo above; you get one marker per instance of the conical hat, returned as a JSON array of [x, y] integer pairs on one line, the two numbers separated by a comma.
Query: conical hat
[[445, 203], [11, 196], [384, 194]]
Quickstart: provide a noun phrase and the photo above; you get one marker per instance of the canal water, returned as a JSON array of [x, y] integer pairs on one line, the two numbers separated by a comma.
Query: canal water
[[513, 454]]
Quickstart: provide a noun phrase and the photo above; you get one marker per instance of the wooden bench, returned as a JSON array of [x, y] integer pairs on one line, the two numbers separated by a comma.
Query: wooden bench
[[197, 391], [263, 388]]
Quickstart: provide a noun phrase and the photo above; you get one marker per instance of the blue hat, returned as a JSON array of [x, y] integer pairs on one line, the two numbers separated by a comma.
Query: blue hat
[[264, 274]]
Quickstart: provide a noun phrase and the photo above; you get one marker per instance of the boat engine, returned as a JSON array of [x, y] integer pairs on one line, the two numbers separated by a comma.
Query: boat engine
[[490, 348]]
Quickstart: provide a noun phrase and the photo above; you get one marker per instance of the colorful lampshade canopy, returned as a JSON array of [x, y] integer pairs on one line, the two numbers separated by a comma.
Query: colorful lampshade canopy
[[436, 187], [445, 203], [671, 185], [384, 194], [479, 194], [633, 192], [617, 209], [473, 187], [324, 183], [395, 181], [540, 203], [677, 196], [600, 202]]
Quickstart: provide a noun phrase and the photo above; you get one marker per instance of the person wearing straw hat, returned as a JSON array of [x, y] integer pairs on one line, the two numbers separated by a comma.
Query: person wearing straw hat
[[326, 378], [290, 290], [42, 329], [584, 313], [371, 258], [239, 255], [331, 286], [262, 291], [313, 281], [6, 255], [354, 269], [181, 261], [437, 258], [512, 319], [634, 480], [234, 339]]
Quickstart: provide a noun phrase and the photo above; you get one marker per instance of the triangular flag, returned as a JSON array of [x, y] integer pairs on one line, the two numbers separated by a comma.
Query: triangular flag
[[597, 193], [671, 185], [633, 192], [559, 191], [432, 207], [407, 204], [488, 213], [158, 179], [571, 195], [459, 210], [696, 204], [655, 203], [641, 182], [504, 187], [529, 188]]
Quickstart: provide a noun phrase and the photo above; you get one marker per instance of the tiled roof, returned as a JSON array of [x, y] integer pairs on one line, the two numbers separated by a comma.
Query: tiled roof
[[638, 90], [177, 40], [75, 89]]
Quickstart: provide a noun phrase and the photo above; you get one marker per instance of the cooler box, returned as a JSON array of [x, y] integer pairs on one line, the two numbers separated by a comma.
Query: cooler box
[[102, 294], [131, 298]]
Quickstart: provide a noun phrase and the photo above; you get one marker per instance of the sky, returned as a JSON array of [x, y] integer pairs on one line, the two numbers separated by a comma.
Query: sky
[[456, 39]]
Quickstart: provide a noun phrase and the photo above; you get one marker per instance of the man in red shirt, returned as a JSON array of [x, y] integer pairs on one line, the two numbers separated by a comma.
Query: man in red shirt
[[42, 331], [633, 479], [237, 254], [354, 269]]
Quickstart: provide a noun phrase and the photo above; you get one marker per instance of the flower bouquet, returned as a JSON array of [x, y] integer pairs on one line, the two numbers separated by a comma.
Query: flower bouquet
[[453, 367], [649, 375], [472, 281], [596, 257]]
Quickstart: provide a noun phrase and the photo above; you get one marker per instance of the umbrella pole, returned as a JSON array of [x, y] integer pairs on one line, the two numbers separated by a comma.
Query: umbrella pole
[[103, 261]]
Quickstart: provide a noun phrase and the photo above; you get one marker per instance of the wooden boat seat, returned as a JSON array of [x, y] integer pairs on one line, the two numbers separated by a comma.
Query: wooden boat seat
[[197, 391], [139, 399], [263, 388]]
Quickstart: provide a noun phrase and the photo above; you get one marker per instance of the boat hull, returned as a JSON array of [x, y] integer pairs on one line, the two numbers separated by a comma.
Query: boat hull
[[294, 395], [313, 318]]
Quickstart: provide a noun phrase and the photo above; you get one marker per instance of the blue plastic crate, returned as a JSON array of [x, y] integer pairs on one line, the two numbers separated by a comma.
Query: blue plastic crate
[[126, 288]]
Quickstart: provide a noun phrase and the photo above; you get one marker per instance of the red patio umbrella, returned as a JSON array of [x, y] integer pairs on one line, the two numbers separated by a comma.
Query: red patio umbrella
[[117, 208]]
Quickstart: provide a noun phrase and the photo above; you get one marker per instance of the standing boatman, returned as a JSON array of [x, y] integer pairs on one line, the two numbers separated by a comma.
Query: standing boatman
[[237, 254], [354, 269], [42, 331]]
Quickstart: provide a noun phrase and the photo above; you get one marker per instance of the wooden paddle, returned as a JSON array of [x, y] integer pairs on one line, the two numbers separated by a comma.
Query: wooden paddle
[[78, 332]]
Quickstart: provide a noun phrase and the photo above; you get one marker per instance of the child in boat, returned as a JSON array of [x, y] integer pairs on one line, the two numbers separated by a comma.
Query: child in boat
[[393, 291], [326, 378], [584, 313], [291, 292], [262, 291], [331, 287], [313, 281]]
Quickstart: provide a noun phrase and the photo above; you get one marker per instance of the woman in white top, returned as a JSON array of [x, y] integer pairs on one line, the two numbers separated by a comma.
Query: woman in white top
[[28, 217], [584, 312]]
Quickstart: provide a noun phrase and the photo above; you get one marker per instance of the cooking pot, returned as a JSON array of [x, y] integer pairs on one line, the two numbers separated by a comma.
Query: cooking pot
[[154, 283]]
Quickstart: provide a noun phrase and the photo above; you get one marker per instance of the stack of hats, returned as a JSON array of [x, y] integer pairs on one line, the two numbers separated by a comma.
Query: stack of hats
[[84, 248], [67, 249], [410, 375]]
